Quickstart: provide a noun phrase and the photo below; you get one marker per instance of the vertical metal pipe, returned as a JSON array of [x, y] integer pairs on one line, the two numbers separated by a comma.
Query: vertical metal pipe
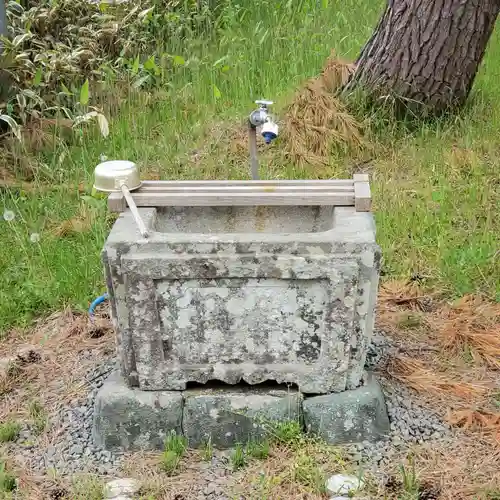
[[254, 163], [4, 31]]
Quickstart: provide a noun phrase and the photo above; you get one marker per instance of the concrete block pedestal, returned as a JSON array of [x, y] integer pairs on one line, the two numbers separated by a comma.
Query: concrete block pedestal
[[129, 419]]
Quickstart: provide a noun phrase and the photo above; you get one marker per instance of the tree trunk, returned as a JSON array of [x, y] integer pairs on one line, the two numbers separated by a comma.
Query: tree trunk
[[426, 53]]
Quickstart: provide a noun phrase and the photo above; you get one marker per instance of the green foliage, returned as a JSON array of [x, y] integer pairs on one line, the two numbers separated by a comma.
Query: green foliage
[[208, 450], [170, 462], [57, 51], [307, 472], [285, 432], [87, 487], [410, 481], [238, 457], [9, 431], [175, 447], [258, 449], [176, 443], [38, 416], [7, 480]]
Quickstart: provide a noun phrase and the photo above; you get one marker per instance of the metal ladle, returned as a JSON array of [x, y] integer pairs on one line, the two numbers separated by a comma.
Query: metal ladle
[[120, 176]]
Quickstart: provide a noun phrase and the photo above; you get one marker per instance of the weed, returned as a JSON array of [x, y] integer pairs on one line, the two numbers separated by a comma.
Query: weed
[[208, 451], [286, 431], [258, 449], [238, 458], [10, 376], [307, 472], [411, 484], [9, 431], [38, 415], [175, 447], [170, 462], [176, 443], [7, 481], [495, 398], [87, 487]]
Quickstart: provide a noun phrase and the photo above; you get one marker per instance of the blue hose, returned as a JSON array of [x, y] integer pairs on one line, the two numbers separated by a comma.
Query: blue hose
[[96, 302]]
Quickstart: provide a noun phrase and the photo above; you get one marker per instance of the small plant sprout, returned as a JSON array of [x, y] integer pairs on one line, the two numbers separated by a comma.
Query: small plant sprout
[[307, 472], [208, 450], [176, 443], [286, 432], [411, 483], [258, 449], [238, 459], [9, 431], [169, 462], [38, 415], [8, 482], [175, 447]]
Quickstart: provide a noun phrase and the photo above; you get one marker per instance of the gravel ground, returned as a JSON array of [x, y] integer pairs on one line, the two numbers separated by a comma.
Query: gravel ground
[[71, 449], [411, 423]]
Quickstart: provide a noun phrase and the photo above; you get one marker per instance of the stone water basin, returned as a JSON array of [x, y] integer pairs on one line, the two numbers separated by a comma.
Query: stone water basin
[[243, 293]]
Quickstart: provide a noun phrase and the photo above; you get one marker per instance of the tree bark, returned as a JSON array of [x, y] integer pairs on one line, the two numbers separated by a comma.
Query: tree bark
[[426, 53]]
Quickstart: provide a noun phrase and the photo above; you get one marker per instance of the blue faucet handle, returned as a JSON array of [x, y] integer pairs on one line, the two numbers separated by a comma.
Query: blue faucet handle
[[269, 136]]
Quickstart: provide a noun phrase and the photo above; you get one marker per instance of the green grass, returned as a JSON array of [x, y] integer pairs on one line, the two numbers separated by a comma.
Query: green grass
[[287, 432], [175, 447], [238, 457], [410, 482], [436, 189], [39, 416], [207, 452], [9, 431], [87, 487], [7, 481], [307, 472], [258, 449]]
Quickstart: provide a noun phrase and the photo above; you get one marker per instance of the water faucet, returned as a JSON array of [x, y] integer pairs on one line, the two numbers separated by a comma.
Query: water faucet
[[261, 118], [269, 131]]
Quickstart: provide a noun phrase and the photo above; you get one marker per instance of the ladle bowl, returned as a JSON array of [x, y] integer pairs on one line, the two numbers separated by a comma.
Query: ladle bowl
[[122, 176], [110, 176]]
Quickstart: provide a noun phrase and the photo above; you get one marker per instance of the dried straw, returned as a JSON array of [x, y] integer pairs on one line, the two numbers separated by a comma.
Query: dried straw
[[424, 379], [471, 326], [317, 120]]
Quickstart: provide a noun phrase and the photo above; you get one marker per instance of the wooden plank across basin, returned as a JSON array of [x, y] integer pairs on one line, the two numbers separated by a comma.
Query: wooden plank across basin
[[337, 192]]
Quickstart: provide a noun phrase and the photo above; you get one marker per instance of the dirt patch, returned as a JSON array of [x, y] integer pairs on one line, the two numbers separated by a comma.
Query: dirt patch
[[52, 370]]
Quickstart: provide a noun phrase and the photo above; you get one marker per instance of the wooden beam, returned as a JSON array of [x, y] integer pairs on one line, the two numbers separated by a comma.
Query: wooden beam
[[348, 192], [217, 199], [160, 185], [362, 193], [117, 202]]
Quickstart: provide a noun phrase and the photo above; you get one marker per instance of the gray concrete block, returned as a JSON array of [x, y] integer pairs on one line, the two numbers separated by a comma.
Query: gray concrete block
[[227, 417], [348, 417], [243, 294], [130, 419]]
